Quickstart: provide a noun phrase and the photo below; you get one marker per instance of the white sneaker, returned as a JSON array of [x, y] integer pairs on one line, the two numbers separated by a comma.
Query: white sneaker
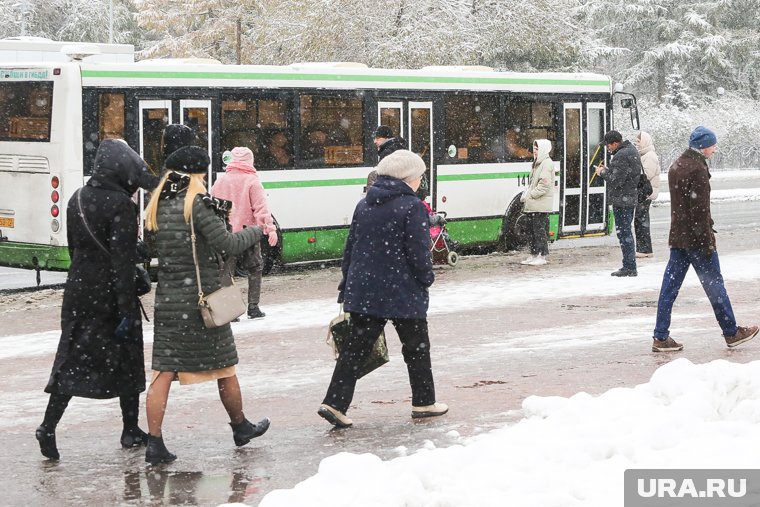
[[539, 260], [528, 260], [433, 410]]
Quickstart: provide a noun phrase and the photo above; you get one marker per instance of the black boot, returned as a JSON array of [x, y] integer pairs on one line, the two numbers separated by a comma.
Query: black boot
[[255, 313], [133, 437], [246, 430], [46, 438], [156, 452]]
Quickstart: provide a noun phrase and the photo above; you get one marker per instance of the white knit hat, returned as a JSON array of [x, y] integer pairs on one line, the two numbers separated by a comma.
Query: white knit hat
[[401, 164]]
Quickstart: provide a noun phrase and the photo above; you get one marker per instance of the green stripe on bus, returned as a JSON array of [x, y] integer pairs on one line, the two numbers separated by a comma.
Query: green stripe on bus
[[314, 183], [482, 176], [363, 181], [268, 76]]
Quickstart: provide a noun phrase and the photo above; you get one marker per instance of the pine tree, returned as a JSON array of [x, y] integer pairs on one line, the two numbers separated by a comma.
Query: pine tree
[[677, 91]]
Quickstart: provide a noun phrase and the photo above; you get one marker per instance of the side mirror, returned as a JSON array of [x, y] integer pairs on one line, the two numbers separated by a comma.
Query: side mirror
[[626, 103]]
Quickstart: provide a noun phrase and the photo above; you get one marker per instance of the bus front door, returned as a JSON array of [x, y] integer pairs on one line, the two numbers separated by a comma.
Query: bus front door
[[196, 114], [583, 193], [155, 115]]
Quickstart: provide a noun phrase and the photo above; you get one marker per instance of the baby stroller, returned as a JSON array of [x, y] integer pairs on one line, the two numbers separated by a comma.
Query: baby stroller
[[443, 247]]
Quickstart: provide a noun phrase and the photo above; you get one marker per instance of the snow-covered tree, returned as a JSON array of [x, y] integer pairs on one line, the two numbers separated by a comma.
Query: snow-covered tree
[[641, 40], [677, 92], [70, 20]]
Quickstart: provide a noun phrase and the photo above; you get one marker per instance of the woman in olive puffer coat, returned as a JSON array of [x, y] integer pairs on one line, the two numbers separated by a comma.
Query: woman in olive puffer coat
[[183, 348]]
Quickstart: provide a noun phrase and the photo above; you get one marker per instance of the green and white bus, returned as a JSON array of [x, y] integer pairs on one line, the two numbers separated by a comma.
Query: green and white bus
[[311, 128]]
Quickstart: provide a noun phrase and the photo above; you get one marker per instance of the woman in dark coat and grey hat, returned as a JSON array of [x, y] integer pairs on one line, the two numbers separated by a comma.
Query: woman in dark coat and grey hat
[[387, 269], [100, 353], [183, 348]]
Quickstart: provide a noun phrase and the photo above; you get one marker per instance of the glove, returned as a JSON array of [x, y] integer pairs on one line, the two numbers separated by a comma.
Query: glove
[[124, 329]]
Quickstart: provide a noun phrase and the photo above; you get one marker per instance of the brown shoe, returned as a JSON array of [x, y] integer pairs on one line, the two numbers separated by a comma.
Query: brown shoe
[[743, 334], [668, 345]]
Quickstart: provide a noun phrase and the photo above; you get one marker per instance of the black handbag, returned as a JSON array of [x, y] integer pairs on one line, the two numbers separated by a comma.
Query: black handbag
[[337, 334], [643, 188], [142, 276]]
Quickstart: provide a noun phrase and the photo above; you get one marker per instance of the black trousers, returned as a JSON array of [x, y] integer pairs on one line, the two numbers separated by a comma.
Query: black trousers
[[363, 332], [538, 233], [641, 227]]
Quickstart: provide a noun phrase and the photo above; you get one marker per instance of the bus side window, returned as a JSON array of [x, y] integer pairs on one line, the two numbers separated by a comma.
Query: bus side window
[[111, 116], [526, 122], [332, 130]]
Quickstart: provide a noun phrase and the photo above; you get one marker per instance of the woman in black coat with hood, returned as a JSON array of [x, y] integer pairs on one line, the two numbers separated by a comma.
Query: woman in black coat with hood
[[100, 353]]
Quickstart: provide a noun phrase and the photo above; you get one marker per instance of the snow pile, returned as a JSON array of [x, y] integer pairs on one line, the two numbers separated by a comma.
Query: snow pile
[[566, 451]]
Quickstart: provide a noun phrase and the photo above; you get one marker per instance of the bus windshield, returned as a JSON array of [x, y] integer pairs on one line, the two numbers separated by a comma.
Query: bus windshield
[[25, 110]]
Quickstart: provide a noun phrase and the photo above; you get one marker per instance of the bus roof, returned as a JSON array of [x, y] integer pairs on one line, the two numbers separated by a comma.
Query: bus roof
[[172, 73], [39, 49]]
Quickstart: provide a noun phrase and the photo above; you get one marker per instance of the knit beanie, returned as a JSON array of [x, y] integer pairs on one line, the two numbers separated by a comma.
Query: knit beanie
[[177, 136], [702, 137], [401, 164], [242, 154]]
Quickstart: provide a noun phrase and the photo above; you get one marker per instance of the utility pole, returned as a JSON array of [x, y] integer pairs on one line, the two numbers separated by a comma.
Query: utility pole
[[24, 6], [238, 34], [110, 22]]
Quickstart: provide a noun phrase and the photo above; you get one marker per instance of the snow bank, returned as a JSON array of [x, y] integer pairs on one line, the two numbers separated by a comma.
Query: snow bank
[[566, 451]]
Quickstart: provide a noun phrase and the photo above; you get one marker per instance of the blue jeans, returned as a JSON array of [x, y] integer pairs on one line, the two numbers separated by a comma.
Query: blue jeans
[[708, 271], [623, 221]]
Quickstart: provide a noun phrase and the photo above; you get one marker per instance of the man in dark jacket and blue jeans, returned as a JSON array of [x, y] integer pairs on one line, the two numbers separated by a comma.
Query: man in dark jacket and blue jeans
[[387, 269], [692, 243], [622, 177]]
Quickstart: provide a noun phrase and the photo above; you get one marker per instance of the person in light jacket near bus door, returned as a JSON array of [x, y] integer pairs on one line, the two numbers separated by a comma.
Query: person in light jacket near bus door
[[651, 164], [538, 201]]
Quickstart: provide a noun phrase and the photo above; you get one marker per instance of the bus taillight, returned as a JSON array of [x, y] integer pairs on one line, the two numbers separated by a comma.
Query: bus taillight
[[54, 211], [55, 196], [54, 182]]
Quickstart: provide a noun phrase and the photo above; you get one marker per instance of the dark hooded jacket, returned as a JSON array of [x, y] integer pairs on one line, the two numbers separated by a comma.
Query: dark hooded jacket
[[387, 266], [622, 176], [391, 145], [100, 288]]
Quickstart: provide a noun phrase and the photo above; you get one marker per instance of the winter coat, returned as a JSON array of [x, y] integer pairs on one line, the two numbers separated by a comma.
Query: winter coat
[[622, 176], [391, 145], [690, 219], [651, 163], [387, 266], [181, 342], [539, 196], [91, 361], [241, 185]]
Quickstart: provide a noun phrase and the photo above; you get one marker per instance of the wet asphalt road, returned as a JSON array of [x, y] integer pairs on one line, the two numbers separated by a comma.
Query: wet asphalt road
[[481, 370]]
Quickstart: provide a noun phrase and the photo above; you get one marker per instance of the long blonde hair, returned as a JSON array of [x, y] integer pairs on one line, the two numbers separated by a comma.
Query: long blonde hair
[[195, 187]]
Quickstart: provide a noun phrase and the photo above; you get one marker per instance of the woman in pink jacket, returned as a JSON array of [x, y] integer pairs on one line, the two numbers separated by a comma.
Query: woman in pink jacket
[[241, 185]]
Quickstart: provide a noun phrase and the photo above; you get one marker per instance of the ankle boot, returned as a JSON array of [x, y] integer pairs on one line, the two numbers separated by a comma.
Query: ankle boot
[[156, 452], [245, 431], [46, 438], [133, 437]]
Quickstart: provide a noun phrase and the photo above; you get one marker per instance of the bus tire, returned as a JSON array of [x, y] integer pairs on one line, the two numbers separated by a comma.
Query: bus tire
[[513, 228]]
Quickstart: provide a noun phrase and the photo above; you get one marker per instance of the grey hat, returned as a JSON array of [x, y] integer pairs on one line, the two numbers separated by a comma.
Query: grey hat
[[401, 164]]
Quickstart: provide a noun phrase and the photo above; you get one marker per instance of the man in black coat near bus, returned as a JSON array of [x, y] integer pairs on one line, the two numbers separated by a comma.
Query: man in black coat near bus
[[386, 143], [622, 177]]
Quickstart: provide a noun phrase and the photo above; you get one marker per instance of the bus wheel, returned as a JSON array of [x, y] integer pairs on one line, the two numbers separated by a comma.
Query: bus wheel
[[513, 228]]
